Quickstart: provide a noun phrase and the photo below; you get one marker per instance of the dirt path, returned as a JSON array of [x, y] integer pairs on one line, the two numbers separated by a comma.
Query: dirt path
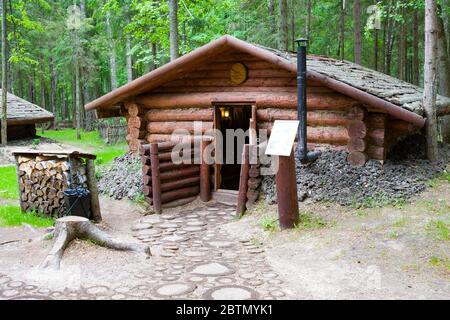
[[398, 252], [193, 258]]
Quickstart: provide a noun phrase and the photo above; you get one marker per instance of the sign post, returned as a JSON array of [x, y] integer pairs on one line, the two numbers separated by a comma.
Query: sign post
[[281, 144]]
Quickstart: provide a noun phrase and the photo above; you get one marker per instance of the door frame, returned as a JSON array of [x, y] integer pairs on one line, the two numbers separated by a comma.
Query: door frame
[[216, 105]]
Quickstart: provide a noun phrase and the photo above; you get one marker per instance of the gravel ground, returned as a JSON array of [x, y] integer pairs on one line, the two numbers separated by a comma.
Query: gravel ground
[[123, 178], [331, 178]]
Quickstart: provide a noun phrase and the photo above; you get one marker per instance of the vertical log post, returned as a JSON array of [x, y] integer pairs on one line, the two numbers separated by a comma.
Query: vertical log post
[[156, 181], [243, 182], [205, 185], [92, 185], [286, 185]]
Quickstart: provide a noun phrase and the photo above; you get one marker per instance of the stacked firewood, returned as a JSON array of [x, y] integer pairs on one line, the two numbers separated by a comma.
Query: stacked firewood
[[43, 180], [175, 184], [136, 126]]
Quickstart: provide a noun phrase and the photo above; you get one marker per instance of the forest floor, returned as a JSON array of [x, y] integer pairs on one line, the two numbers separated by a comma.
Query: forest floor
[[200, 252]]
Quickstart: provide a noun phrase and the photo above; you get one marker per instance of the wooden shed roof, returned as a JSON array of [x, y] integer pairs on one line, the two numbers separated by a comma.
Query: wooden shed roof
[[20, 111], [398, 98]]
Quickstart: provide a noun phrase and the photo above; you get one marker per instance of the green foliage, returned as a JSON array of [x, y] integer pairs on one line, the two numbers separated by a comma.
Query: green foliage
[[310, 221], [439, 229], [8, 183], [11, 216], [269, 224]]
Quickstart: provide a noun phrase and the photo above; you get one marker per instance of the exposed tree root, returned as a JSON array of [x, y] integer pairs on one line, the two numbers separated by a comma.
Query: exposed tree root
[[72, 227]]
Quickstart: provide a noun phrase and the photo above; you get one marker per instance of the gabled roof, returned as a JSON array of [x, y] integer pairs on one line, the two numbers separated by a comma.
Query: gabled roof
[[20, 111], [398, 98]]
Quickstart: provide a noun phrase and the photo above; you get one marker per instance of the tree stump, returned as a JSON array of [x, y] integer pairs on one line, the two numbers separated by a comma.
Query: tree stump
[[70, 228]]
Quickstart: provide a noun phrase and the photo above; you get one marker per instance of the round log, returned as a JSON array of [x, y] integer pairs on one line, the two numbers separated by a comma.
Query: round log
[[132, 109], [254, 183], [147, 180], [147, 190], [180, 183], [179, 194], [357, 113], [134, 122], [252, 196], [357, 129], [357, 159], [356, 144], [181, 173], [376, 137], [314, 118]]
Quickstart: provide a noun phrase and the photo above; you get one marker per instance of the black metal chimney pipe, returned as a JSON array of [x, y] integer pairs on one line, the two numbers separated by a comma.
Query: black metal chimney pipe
[[302, 147]]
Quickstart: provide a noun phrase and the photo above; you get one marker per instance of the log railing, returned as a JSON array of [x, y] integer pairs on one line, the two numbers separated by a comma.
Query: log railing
[[168, 184]]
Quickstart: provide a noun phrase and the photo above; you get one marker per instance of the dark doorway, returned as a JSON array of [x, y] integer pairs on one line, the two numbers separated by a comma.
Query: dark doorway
[[232, 117]]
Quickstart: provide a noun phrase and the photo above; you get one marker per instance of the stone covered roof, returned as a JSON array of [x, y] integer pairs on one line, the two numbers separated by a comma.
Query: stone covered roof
[[20, 111]]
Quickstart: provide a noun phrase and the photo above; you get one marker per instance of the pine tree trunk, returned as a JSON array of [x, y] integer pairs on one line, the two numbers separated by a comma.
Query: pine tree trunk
[[271, 13], [443, 65], [3, 116], [416, 72], [401, 48], [129, 59], [173, 29], [308, 20], [112, 52], [430, 90], [342, 31], [358, 32], [283, 25]]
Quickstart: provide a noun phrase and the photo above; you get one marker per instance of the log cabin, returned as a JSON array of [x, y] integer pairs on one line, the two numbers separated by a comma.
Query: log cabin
[[230, 83], [22, 117]]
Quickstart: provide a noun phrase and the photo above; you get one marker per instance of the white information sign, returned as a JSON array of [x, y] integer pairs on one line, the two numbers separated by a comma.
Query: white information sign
[[282, 138]]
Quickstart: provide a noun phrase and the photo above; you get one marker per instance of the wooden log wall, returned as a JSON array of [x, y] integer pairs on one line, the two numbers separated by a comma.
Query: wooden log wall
[[137, 123], [177, 184]]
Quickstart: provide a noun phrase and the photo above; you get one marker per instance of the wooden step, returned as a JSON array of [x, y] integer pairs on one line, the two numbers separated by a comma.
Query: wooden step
[[227, 197]]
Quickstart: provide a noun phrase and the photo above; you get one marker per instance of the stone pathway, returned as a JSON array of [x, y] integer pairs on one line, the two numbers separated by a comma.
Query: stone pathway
[[193, 259]]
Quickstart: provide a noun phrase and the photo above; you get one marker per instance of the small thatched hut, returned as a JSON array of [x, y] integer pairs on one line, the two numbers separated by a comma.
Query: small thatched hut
[[22, 117]]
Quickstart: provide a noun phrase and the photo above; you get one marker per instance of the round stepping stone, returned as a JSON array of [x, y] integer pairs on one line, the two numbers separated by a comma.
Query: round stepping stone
[[148, 233], [170, 278], [277, 293], [141, 226], [212, 269], [151, 219], [177, 272], [175, 238], [29, 287], [169, 216], [194, 253], [172, 247], [178, 266], [167, 225], [219, 244], [15, 284], [270, 275], [192, 216], [248, 275], [167, 254], [9, 293], [97, 290], [180, 232], [159, 269], [225, 280], [196, 223], [275, 281], [196, 279], [174, 289], [193, 229], [213, 209], [256, 251], [230, 293], [254, 282]]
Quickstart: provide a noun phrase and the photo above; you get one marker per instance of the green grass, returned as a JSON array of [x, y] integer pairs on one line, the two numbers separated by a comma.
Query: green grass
[[438, 229], [309, 221], [8, 183], [90, 141], [269, 224], [11, 216]]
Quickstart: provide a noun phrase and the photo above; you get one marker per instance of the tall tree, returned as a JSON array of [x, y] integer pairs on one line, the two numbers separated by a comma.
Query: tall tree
[[443, 65], [3, 122], [112, 50], [173, 29], [430, 89], [357, 31], [308, 20], [342, 30], [416, 72], [283, 36]]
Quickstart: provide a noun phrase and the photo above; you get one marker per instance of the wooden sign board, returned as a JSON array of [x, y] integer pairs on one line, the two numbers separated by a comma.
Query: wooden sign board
[[282, 138]]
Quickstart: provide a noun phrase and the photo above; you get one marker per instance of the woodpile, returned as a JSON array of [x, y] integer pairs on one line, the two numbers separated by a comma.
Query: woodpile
[[43, 180], [44, 176], [136, 126]]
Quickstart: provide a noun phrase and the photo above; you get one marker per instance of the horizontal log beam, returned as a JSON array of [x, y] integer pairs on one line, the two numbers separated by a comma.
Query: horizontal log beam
[[263, 100], [314, 118], [181, 173], [180, 115], [169, 127], [179, 194]]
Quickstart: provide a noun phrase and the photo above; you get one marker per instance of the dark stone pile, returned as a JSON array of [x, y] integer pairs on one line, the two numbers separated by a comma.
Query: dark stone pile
[[331, 178], [123, 178]]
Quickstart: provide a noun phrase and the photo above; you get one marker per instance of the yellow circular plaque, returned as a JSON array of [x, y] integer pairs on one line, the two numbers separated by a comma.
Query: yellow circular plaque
[[238, 73]]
